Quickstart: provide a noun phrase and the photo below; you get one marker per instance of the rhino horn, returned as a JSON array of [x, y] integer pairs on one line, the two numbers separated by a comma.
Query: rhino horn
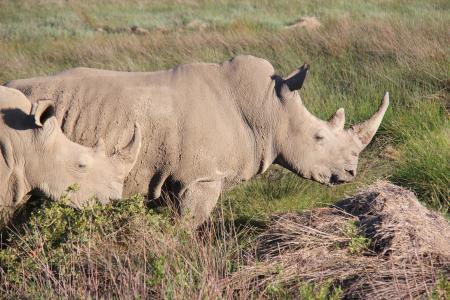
[[338, 119], [295, 80], [129, 154], [367, 129], [42, 111]]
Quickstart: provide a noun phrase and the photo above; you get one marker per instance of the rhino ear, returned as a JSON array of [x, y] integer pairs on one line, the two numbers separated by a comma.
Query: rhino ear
[[42, 111], [295, 80]]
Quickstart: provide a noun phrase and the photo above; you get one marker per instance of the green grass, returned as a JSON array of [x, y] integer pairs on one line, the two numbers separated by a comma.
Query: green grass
[[425, 168], [25, 19]]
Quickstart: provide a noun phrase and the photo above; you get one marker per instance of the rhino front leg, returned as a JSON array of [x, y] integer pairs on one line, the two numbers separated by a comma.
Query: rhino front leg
[[198, 201]]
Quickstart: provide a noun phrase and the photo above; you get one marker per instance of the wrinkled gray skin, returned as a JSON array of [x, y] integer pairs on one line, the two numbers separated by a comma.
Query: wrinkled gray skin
[[36, 155], [205, 126]]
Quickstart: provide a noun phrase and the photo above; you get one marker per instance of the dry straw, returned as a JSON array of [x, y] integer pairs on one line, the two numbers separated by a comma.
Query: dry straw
[[380, 244]]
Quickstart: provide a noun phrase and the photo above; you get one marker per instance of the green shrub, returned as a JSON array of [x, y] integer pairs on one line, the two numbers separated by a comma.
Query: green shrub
[[123, 249], [442, 290], [326, 291]]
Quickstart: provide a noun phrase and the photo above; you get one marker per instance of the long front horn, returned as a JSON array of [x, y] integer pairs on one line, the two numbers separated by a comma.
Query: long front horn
[[367, 129], [129, 154]]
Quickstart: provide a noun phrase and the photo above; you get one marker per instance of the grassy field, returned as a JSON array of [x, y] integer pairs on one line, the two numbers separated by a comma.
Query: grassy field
[[361, 50]]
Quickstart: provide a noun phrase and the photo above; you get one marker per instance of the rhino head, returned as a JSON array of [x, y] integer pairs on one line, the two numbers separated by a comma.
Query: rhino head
[[323, 151], [36, 155]]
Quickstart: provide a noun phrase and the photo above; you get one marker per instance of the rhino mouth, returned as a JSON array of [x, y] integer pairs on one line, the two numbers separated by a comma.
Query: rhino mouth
[[348, 176]]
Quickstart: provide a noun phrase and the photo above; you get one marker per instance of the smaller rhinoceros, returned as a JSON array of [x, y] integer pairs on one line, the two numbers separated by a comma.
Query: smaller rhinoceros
[[36, 155]]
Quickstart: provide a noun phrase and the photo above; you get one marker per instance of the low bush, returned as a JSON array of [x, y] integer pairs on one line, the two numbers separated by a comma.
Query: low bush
[[119, 250]]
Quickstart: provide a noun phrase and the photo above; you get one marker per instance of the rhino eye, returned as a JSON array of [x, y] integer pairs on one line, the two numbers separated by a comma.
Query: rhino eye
[[84, 161], [318, 137]]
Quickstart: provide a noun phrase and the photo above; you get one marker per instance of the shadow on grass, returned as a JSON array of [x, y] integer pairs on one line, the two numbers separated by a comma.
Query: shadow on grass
[[21, 217]]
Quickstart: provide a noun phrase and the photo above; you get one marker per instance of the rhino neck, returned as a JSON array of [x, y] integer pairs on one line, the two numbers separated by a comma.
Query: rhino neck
[[265, 154], [259, 116]]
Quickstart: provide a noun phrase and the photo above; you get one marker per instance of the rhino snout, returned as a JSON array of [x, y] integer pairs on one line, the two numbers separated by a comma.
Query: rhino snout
[[82, 199], [347, 175]]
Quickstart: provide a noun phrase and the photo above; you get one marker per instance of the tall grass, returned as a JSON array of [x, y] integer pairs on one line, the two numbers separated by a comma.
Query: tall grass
[[425, 168], [121, 250], [126, 250]]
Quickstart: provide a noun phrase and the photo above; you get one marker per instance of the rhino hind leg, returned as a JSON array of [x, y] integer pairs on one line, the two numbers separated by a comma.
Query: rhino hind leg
[[198, 201]]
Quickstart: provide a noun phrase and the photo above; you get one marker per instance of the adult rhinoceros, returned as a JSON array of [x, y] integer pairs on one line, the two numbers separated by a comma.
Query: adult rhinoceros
[[205, 126], [36, 155]]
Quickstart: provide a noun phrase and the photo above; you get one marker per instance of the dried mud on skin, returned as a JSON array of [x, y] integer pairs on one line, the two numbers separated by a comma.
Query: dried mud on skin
[[408, 248]]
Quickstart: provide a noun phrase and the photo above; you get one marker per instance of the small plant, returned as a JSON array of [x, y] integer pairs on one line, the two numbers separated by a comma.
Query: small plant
[[325, 291], [158, 267], [351, 230], [442, 289], [276, 290], [358, 243], [74, 187]]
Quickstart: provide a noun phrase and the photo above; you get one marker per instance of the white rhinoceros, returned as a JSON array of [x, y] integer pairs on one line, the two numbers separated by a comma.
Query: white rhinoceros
[[205, 126], [36, 155]]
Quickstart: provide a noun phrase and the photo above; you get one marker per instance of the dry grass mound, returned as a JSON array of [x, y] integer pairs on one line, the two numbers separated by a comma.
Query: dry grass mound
[[379, 244], [309, 23]]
